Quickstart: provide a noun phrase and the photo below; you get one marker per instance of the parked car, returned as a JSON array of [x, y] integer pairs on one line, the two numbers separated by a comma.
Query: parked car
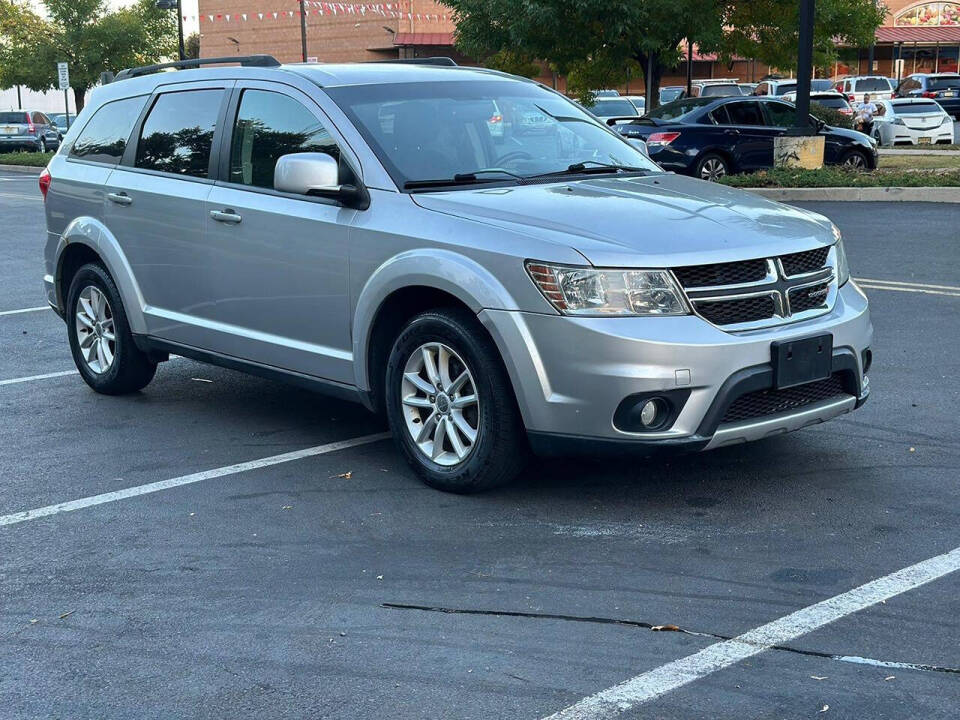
[[614, 108], [775, 87], [27, 130], [709, 138], [821, 85], [855, 88], [944, 88], [639, 102], [714, 88], [606, 93], [671, 93], [747, 88], [60, 122], [912, 121], [498, 298], [831, 99]]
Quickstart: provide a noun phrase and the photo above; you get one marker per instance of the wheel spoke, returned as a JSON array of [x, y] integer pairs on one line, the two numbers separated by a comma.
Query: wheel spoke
[[438, 437], [418, 382], [88, 308], [464, 427], [455, 442], [426, 428], [86, 342], [454, 387], [106, 354], [418, 402], [98, 299], [443, 366], [465, 401], [99, 356], [429, 364], [109, 336], [85, 319]]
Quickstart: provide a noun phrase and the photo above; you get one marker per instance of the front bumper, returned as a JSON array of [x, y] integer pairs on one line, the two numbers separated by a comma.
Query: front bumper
[[571, 374]]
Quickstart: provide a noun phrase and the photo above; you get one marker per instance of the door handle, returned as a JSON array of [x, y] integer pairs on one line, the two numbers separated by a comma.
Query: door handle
[[120, 198], [225, 216]]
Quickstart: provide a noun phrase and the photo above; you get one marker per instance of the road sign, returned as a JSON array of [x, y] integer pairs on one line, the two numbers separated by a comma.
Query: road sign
[[64, 75]]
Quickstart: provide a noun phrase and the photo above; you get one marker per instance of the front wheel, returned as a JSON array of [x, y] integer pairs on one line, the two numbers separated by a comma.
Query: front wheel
[[712, 167], [855, 160], [451, 406]]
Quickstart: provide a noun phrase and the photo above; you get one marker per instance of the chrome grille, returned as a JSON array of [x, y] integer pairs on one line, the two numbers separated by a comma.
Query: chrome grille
[[760, 292], [769, 402]]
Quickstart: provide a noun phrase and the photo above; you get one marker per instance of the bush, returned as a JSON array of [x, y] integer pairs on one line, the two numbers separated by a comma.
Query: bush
[[831, 116], [842, 177], [29, 159]]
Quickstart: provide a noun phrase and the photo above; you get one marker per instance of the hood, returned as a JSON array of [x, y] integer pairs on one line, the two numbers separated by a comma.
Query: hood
[[660, 220]]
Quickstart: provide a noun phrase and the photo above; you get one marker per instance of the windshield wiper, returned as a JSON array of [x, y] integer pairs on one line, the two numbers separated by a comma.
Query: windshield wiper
[[581, 168], [469, 178]]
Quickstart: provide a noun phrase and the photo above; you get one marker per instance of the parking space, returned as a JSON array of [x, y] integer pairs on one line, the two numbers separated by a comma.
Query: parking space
[[334, 584]]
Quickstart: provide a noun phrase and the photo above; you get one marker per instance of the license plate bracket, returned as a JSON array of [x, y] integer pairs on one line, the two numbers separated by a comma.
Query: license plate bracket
[[800, 361]]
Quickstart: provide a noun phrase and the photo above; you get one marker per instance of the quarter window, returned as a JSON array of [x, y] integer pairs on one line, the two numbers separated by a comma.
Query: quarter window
[[105, 137], [177, 135], [268, 126]]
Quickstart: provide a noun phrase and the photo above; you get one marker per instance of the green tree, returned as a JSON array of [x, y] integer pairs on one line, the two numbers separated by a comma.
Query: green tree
[[192, 46], [84, 33]]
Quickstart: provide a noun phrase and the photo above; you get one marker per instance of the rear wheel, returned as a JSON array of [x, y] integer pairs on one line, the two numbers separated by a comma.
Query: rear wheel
[[712, 167], [100, 338], [451, 406]]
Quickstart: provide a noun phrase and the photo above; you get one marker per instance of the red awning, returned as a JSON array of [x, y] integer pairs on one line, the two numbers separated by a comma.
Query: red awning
[[409, 38], [944, 35]]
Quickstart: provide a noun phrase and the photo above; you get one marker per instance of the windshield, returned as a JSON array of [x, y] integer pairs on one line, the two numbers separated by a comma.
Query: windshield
[[942, 83], [873, 85], [13, 117], [669, 94], [679, 108], [613, 108], [437, 130]]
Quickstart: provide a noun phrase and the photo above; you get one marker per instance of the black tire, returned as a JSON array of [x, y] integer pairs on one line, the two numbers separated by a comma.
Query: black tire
[[41, 145], [130, 369], [855, 160], [500, 449], [711, 167]]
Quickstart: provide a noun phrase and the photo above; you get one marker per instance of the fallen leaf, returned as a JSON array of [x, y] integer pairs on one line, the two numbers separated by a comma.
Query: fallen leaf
[[888, 678], [665, 628], [379, 577], [818, 677], [67, 614], [824, 708]]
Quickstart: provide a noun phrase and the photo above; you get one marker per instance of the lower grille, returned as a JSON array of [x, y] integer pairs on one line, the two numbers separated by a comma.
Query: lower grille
[[808, 298], [729, 312], [769, 402]]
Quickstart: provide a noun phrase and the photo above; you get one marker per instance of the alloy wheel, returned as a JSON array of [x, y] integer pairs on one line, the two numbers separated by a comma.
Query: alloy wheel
[[855, 161], [440, 405], [96, 334], [712, 169]]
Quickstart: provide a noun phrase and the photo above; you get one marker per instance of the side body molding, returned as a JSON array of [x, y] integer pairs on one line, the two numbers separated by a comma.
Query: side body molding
[[436, 268], [93, 233]]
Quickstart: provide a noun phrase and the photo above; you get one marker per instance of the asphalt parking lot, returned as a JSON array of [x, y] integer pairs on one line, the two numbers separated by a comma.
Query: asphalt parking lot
[[332, 584]]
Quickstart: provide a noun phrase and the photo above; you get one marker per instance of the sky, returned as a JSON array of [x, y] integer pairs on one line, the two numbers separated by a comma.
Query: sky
[[189, 9]]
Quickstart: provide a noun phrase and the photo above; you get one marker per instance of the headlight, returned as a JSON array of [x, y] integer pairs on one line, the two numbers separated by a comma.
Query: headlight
[[843, 269], [586, 291]]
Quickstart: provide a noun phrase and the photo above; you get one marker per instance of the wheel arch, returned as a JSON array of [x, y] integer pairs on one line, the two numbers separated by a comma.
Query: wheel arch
[[715, 150]]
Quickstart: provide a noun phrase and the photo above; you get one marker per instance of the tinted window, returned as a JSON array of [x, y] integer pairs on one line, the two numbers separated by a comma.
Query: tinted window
[[270, 125], [720, 90], [821, 85], [942, 83], [613, 108], [670, 94], [785, 88], [872, 85], [830, 102], [678, 108], [781, 115], [13, 117], [178, 133], [105, 137], [744, 113], [916, 108]]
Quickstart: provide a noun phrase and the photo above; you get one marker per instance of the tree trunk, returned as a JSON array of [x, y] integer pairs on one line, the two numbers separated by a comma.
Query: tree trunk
[[656, 75], [79, 98]]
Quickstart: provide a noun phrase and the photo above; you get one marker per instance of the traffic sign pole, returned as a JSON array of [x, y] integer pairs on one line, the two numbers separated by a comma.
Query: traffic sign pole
[[63, 75]]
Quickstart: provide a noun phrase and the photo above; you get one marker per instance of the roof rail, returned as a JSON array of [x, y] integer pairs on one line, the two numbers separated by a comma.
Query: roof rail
[[441, 61], [245, 61]]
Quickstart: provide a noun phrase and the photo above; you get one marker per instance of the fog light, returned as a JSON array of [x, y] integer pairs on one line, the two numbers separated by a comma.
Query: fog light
[[651, 413]]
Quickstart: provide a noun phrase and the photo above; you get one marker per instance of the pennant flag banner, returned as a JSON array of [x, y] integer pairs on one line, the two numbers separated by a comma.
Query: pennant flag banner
[[321, 8]]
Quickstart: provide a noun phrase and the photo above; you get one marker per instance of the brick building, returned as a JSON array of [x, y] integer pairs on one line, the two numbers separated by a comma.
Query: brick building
[[924, 36]]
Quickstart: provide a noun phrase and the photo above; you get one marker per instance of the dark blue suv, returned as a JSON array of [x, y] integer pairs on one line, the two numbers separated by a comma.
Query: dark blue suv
[[712, 137], [944, 88]]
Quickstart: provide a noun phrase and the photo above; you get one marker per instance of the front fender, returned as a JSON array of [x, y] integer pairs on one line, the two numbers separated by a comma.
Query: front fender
[[95, 235], [444, 270]]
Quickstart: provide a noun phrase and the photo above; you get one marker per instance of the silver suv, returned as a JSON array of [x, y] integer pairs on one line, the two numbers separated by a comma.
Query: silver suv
[[361, 229]]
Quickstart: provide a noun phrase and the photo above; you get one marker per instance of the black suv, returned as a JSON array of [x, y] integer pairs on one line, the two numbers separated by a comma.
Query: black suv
[[944, 88]]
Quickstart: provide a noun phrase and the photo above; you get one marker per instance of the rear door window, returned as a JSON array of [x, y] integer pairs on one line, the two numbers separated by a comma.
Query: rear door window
[[104, 138], [268, 126], [780, 114], [177, 136], [744, 113]]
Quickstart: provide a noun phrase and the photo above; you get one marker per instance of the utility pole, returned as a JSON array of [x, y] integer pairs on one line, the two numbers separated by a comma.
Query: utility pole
[[689, 67], [178, 6], [801, 125], [303, 30]]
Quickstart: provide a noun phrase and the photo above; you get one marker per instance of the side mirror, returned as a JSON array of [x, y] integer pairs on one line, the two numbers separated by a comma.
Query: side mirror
[[317, 175], [640, 145]]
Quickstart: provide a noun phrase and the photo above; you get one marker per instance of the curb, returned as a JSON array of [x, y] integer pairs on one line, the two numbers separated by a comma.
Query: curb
[[25, 169], [925, 153], [864, 194]]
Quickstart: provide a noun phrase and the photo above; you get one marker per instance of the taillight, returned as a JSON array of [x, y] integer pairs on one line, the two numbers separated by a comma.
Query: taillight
[[852, 97], [45, 179], [928, 94], [846, 111], [662, 138]]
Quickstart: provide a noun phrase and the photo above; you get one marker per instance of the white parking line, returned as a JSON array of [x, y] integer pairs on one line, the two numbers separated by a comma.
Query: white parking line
[[20, 196], [31, 378], [109, 497], [908, 284], [871, 286], [642, 688], [23, 310]]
